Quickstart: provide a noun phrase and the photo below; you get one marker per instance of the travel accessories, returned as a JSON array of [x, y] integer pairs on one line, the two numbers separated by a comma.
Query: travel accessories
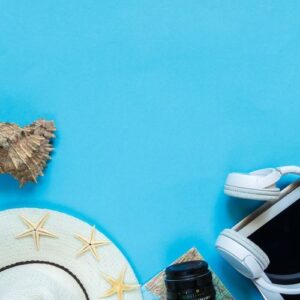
[[265, 246], [155, 288]]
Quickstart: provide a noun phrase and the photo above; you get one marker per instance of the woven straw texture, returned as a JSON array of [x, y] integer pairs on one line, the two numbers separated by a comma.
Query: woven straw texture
[[61, 251]]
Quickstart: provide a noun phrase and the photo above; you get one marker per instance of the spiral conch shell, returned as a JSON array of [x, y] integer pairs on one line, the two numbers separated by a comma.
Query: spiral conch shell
[[25, 151]]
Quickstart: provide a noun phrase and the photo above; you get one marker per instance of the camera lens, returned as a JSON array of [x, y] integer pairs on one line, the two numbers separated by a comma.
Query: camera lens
[[189, 281]]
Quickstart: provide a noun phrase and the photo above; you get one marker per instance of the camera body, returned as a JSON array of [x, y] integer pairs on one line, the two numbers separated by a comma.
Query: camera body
[[189, 281]]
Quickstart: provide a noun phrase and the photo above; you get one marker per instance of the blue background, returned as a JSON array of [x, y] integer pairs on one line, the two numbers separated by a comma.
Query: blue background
[[155, 102]]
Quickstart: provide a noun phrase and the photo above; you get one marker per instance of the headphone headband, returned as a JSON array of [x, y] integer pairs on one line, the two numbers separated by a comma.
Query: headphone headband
[[291, 289]]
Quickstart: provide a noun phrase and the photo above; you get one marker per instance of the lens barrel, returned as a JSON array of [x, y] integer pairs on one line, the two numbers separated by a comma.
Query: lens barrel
[[189, 281]]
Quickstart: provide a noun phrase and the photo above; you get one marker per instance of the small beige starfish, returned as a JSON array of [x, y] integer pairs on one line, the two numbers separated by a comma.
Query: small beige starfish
[[118, 286], [90, 244], [36, 230]]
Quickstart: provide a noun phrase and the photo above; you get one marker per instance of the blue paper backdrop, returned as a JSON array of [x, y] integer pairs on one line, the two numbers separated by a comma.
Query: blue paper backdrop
[[155, 102]]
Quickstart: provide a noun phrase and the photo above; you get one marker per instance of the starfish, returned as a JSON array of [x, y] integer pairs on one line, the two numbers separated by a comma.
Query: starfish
[[90, 244], [118, 286], [36, 230]]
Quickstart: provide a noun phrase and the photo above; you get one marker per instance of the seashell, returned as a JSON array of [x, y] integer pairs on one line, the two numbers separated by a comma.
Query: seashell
[[24, 152]]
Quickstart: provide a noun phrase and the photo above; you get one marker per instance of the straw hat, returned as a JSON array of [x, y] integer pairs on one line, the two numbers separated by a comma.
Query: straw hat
[[47, 255]]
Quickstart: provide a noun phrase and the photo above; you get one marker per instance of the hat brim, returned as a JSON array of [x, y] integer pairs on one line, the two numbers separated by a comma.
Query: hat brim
[[61, 252]]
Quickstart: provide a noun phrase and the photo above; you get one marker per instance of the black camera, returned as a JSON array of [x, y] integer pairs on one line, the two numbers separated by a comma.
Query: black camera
[[189, 281]]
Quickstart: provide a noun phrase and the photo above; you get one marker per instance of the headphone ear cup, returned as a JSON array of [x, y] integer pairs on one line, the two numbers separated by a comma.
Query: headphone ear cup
[[252, 194], [242, 254], [257, 185]]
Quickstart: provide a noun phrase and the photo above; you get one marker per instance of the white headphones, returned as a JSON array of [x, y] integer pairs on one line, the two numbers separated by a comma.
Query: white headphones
[[258, 185], [245, 256]]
